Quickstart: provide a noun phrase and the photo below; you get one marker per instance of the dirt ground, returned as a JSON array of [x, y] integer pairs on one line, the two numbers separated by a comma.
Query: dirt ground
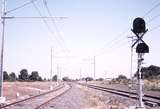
[[15, 90]]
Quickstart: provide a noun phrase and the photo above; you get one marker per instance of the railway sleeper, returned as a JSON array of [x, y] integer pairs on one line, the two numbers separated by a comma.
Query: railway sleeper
[[151, 104]]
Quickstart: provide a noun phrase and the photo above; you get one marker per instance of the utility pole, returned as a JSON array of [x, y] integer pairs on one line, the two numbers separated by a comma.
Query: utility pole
[[57, 71], [94, 64], [2, 46], [80, 74], [3, 18], [51, 72], [131, 64], [60, 73]]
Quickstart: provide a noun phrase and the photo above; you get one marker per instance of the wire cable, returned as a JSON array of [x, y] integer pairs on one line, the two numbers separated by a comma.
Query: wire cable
[[45, 22], [153, 8], [19, 7], [157, 27], [153, 18], [54, 23], [147, 13]]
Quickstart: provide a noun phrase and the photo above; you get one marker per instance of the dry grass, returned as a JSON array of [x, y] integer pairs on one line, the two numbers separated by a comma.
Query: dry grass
[[153, 84], [100, 101], [10, 89]]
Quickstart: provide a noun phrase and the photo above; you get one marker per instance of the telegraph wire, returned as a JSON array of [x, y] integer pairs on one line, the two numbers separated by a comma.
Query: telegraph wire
[[19, 7], [153, 18], [153, 8], [147, 13], [31, 17], [110, 44], [54, 23], [114, 47], [45, 22], [157, 27]]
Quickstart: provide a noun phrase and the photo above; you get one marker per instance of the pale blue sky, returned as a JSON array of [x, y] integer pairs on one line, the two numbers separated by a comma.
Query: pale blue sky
[[90, 25]]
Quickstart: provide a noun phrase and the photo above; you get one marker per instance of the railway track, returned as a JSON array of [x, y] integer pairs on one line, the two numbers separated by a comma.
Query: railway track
[[149, 100], [38, 101]]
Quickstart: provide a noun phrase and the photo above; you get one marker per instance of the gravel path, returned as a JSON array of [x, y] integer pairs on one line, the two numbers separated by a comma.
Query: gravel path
[[76, 98], [80, 97]]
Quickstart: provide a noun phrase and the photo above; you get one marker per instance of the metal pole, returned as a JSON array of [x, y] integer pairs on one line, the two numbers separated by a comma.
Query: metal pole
[[94, 66], [57, 71], [2, 47], [80, 74], [131, 76], [51, 73], [140, 59]]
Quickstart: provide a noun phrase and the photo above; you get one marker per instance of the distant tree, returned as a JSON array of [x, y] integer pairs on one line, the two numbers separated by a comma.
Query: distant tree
[[66, 78], [40, 78], [5, 76], [12, 77], [24, 75], [121, 77], [55, 77], [99, 79], [45, 79], [88, 78], [34, 76], [83, 79], [151, 72]]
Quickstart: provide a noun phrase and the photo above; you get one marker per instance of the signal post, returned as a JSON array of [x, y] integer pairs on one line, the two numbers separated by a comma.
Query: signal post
[[139, 29]]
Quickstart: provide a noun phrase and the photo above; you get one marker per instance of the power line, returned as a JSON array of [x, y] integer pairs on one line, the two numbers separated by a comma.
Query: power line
[[114, 48], [31, 17], [153, 8], [147, 13], [154, 28], [25, 4], [45, 22], [153, 18], [54, 23], [110, 44]]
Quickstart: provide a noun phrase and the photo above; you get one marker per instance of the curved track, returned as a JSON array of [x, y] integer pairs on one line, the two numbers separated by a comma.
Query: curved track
[[38, 101], [45, 104]]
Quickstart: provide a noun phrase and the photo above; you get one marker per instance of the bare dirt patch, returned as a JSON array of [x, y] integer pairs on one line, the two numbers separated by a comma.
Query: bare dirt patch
[[101, 100], [10, 89]]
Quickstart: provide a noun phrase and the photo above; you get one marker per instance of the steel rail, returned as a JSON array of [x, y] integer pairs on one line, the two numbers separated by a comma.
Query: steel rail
[[147, 98], [45, 103], [32, 97]]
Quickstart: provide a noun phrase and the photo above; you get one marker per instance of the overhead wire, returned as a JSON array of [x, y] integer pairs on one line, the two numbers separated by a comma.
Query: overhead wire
[[147, 13], [157, 27], [56, 27], [45, 22], [153, 8], [19, 7], [153, 18]]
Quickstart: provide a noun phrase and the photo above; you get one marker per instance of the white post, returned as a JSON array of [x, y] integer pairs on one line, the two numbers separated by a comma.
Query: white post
[[51, 73], [57, 72], [94, 63], [140, 92]]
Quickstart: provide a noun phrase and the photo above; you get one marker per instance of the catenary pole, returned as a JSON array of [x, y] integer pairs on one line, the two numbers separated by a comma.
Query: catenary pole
[[2, 46], [94, 59], [51, 71]]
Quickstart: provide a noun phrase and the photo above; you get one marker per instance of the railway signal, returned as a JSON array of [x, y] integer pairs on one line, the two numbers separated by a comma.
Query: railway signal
[[139, 29]]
